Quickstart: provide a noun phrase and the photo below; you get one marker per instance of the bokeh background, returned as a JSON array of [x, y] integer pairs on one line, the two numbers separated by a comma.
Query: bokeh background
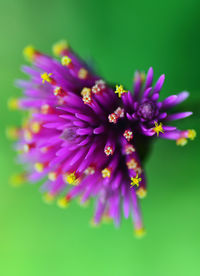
[[119, 36]]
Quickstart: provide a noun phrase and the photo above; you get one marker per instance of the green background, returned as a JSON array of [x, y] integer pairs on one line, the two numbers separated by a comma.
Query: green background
[[120, 36]]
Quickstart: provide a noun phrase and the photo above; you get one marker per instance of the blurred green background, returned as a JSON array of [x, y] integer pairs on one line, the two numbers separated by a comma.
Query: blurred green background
[[120, 36]]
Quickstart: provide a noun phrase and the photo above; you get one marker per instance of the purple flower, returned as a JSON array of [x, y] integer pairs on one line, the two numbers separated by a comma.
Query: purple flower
[[86, 138]]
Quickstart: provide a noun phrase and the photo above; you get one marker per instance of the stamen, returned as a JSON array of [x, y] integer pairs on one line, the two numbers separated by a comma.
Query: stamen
[[86, 91], [128, 134], [120, 90], [46, 77], [106, 172], [181, 141], [66, 61], [87, 99], [90, 170], [71, 179], [35, 127], [12, 133], [28, 135], [30, 53], [39, 167], [108, 150], [17, 180], [139, 232], [28, 147], [129, 149], [52, 176], [64, 201], [135, 181], [112, 118], [132, 164], [46, 109], [82, 74], [99, 87], [158, 128], [119, 112], [13, 104], [58, 91], [141, 192], [192, 134], [60, 47]]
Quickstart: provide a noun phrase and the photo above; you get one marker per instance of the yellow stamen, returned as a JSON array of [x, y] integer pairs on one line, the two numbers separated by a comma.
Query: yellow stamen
[[63, 202], [12, 133], [106, 172], [39, 167], [46, 77], [181, 141], [66, 61], [140, 232], [86, 91], [192, 134], [82, 74], [158, 128], [13, 104], [35, 127], [52, 176], [120, 90], [71, 178], [29, 53], [48, 198], [28, 135], [141, 192], [59, 47], [17, 180], [135, 181]]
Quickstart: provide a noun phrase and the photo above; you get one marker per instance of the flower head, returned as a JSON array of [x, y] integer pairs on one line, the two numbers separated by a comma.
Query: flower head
[[84, 138]]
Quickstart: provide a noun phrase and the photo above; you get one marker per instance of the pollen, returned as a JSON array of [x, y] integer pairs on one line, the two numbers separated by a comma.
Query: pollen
[[135, 181], [141, 192], [119, 112], [29, 53], [39, 167], [86, 92], [66, 61], [17, 180], [132, 164], [120, 90], [158, 128], [112, 118], [60, 47], [13, 104], [128, 134], [82, 74], [71, 178], [87, 99], [63, 202], [12, 133], [35, 127], [106, 172], [90, 170], [139, 232], [52, 176], [48, 198], [58, 91], [27, 135], [46, 77], [192, 134], [28, 147], [45, 109], [181, 141], [129, 149], [108, 150]]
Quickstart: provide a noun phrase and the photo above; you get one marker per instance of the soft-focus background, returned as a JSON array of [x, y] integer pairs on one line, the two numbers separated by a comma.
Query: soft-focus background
[[120, 36]]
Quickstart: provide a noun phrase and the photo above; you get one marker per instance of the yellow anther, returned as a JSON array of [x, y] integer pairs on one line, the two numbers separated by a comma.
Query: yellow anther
[[181, 141], [120, 90], [191, 134], [52, 176], [66, 61], [131, 164], [141, 192], [35, 127], [71, 178], [39, 167], [59, 47], [135, 181], [82, 74], [17, 180], [46, 77], [29, 53], [12, 133], [140, 232], [13, 104], [106, 172], [86, 92], [158, 128], [63, 202], [48, 198], [28, 135]]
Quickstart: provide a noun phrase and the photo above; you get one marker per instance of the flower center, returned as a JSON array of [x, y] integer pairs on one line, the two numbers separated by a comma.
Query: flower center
[[146, 110]]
